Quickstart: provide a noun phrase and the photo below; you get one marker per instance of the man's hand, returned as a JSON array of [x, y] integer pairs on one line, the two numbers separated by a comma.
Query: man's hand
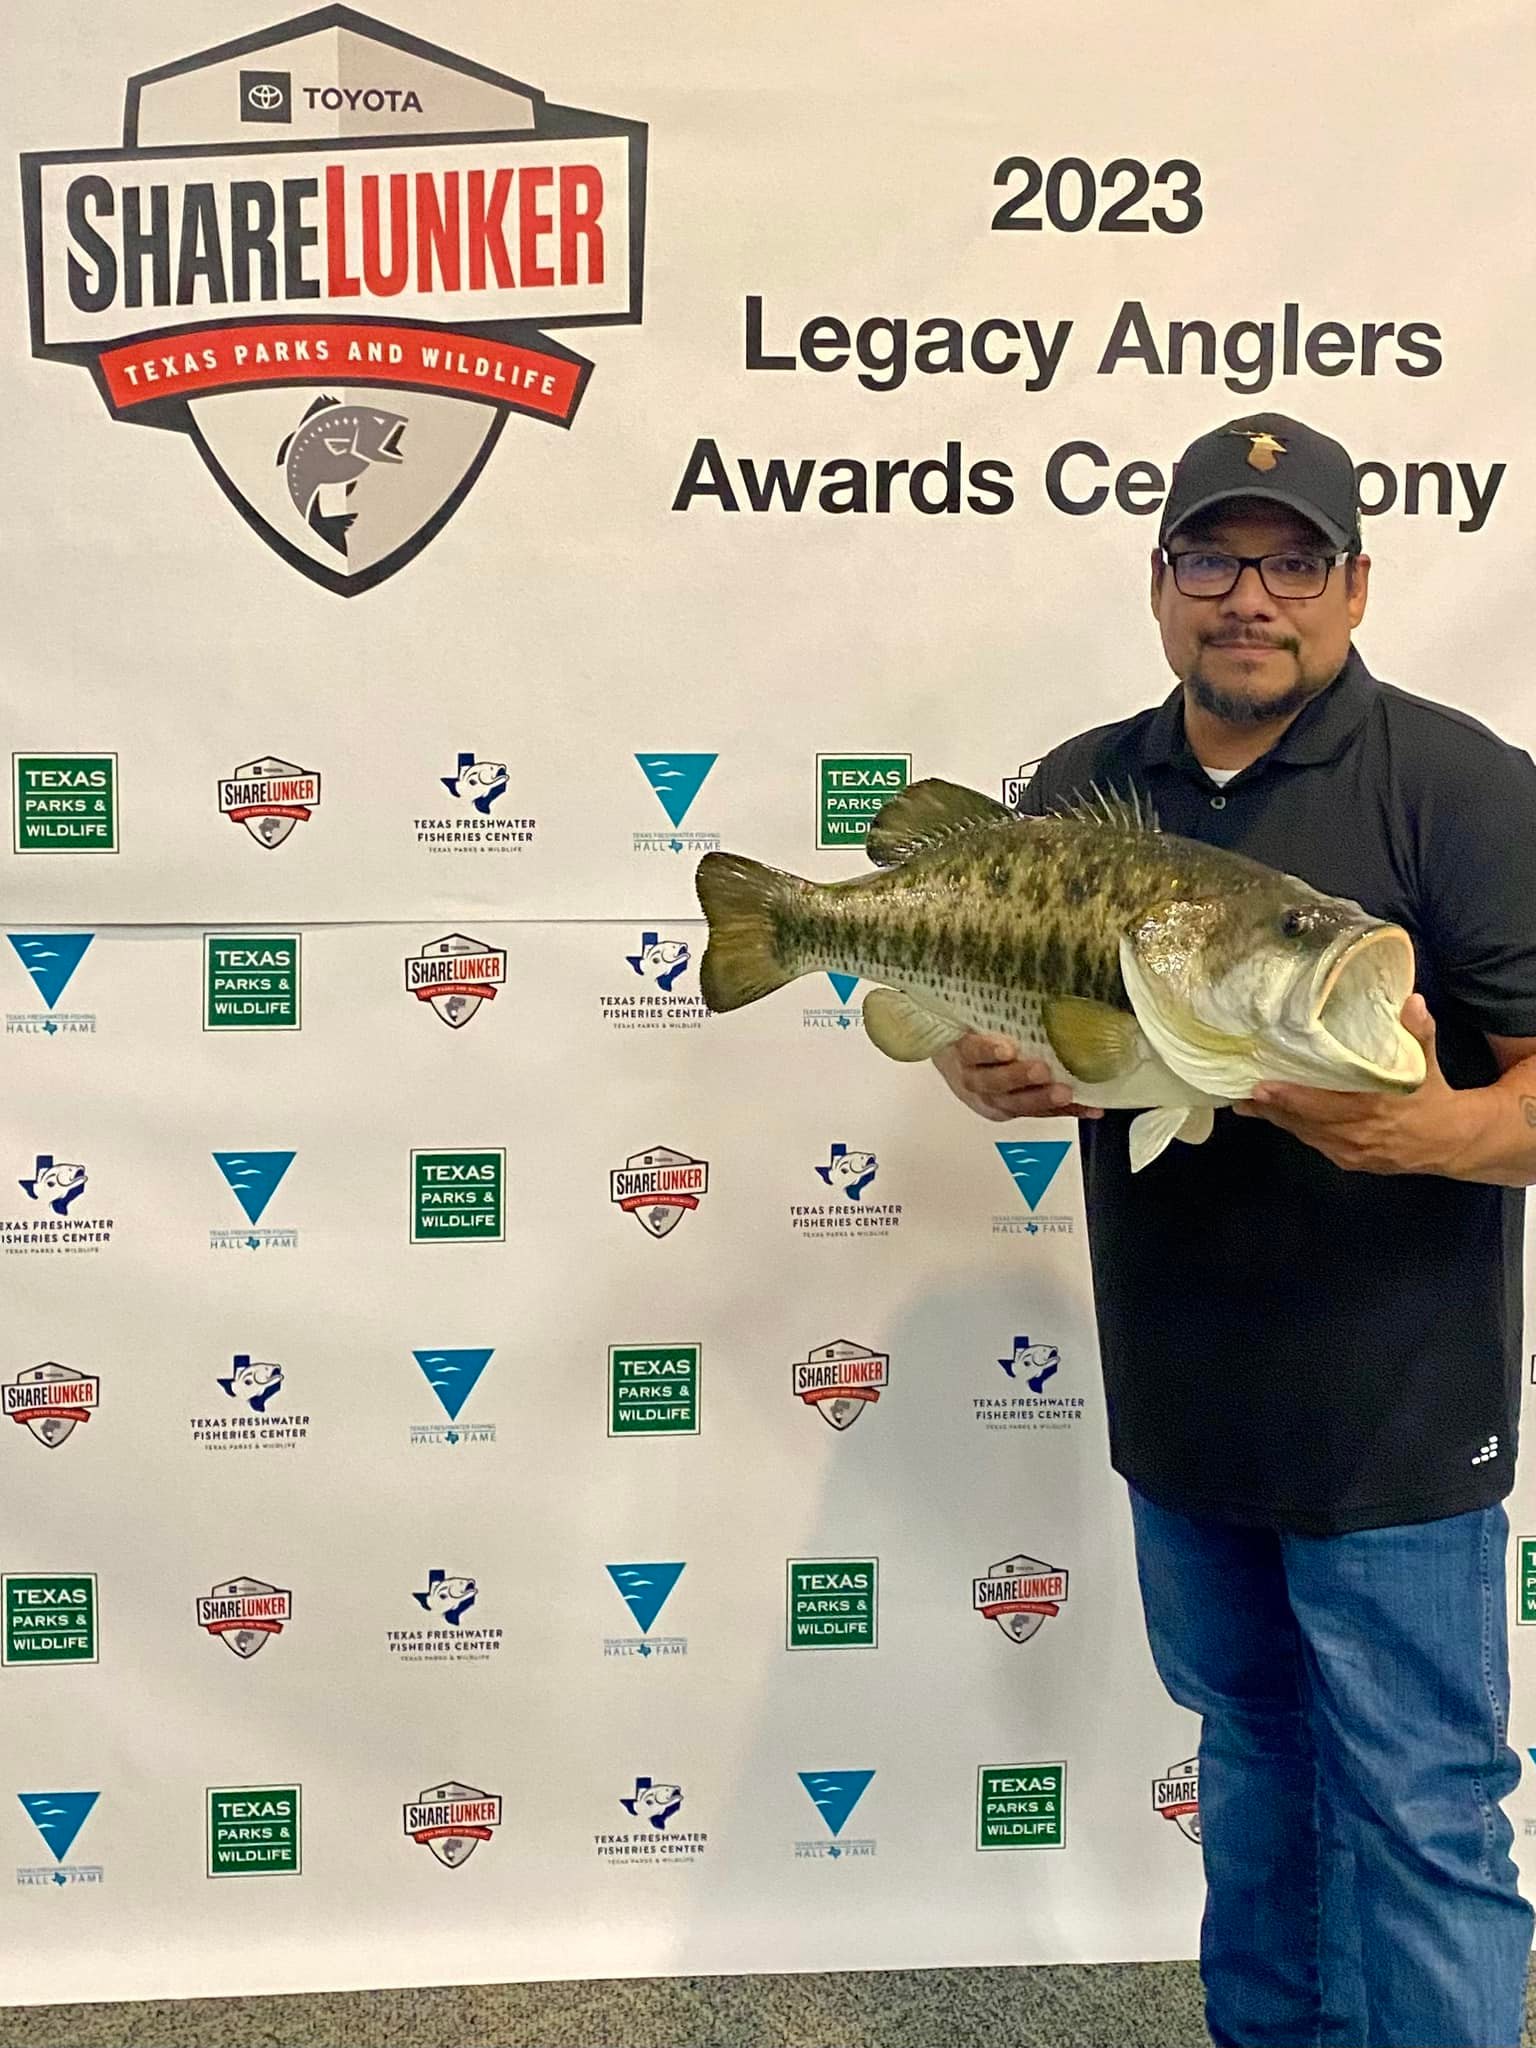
[[1420, 1133], [989, 1077]]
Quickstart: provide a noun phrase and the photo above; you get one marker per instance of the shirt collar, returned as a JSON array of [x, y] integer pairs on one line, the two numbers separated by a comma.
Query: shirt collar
[[1321, 732]]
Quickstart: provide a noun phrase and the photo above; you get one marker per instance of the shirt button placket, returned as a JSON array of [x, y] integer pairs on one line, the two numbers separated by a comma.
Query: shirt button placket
[[1218, 803]]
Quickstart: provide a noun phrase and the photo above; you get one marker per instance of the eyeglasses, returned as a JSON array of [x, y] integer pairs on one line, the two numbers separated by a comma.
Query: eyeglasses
[[1200, 573]]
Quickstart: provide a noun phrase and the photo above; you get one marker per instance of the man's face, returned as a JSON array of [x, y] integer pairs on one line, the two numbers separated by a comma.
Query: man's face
[[1248, 657]]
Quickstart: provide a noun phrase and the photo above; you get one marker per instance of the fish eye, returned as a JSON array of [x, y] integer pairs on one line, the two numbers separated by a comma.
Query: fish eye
[[1293, 923]]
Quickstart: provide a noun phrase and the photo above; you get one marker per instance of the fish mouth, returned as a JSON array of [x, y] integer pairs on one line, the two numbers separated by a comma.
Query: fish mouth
[[1358, 993]]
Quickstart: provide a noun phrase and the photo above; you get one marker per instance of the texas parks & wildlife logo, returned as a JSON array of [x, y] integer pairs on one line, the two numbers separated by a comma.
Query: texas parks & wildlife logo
[[326, 252]]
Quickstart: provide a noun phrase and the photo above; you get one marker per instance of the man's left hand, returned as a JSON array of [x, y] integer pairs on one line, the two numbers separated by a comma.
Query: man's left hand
[[1368, 1133]]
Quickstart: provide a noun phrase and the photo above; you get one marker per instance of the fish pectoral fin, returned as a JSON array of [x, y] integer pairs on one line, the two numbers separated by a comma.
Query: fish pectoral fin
[[1155, 1129], [925, 814], [1093, 1041], [904, 1029]]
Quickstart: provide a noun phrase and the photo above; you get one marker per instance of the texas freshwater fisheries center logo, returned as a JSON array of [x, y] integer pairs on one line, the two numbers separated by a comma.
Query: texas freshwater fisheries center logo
[[327, 252]]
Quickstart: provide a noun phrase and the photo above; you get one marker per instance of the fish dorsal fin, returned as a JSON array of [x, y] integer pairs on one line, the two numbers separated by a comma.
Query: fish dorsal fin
[[925, 814], [1132, 812], [904, 1029]]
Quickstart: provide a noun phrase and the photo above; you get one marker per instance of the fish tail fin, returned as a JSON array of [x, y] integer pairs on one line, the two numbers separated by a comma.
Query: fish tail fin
[[743, 901]]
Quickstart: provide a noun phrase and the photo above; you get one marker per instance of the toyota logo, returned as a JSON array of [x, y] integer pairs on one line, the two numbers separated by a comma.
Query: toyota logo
[[265, 96]]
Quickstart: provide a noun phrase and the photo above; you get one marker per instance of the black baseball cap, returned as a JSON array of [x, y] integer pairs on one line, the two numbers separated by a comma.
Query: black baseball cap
[[1266, 455]]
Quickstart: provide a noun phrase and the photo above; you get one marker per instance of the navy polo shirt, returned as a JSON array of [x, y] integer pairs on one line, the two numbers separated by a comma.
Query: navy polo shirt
[[1284, 1343]]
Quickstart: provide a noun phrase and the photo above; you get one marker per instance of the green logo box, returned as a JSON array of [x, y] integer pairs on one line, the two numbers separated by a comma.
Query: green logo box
[[833, 1603], [1021, 1806], [251, 981], [64, 803], [653, 1389], [850, 788], [50, 1618], [457, 1197], [1527, 1607], [254, 1830]]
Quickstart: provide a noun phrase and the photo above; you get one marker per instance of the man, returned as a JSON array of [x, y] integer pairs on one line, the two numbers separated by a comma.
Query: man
[[1310, 1325]]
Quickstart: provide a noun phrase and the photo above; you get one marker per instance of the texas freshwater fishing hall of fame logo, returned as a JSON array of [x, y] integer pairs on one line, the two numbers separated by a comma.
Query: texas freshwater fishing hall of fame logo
[[327, 251]]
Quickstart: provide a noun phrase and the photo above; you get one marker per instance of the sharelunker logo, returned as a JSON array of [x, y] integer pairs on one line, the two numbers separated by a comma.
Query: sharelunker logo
[[269, 797], [452, 1820], [50, 1618], [477, 821], [840, 1380], [253, 1179], [1176, 1796], [249, 1421], [645, 1590], [835, 1794], [448, 1629], [342, 315], [1029, 1394], [244, 1614], [453, 1377], [255, 1830], [676, 780], [58, 1216], [1021, 1594], [824, 1016], [1014, 786], [58, 1818], [833, 1603], [658, 1187], [456, 975], [1021, 1806], [847, 1173], [654, 1805], [1034, 1164], [51, 1400], [50, 958]]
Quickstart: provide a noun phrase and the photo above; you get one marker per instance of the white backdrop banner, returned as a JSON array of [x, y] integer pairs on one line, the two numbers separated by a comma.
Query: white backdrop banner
[[506, 1472]]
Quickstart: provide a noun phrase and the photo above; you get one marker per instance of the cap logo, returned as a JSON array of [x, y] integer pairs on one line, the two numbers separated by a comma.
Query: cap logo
[[1263, 448]]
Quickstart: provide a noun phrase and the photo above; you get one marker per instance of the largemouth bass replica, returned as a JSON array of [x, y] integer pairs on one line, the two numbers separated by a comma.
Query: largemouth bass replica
[[1148, 971]]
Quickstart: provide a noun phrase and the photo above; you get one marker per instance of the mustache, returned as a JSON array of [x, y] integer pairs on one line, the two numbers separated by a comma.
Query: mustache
[[1228, 638]]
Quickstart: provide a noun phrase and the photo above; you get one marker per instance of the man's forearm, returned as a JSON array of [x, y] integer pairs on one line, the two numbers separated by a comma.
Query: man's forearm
[[1501, 1130]]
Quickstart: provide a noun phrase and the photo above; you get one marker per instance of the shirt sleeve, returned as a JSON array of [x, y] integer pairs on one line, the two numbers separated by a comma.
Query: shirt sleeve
[[1476, 842]]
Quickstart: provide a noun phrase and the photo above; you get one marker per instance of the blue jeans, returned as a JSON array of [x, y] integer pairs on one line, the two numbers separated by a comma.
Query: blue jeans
[[1354, 1702]]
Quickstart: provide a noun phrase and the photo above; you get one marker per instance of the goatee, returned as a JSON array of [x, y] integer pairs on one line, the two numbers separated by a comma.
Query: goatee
[[1235, 707]]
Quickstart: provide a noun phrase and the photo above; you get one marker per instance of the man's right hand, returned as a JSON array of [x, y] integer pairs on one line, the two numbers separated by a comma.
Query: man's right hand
[[987, 1074]]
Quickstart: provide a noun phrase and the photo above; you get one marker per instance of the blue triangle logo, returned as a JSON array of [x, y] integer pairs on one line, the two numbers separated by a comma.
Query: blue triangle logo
[[1034, 1164], [58, 1817], [644, 1588], [835, 1794], [253, 1177], [50, 958], [676, 779], [845, 984], [452, 1375]]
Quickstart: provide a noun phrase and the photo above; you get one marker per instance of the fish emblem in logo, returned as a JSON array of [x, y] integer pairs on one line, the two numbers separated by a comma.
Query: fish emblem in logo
[[50, 1400], [452, 1820], [658, 1187], [245, 1614], [660, 960], [850, 1172], [450, 1598], [479, 781], [291, 302], [1021, 1594], [653, 1802], [1263, 448], [839, 1380], [456, 975], [1040, 1362], [56, 1182], [322, 459], [269, 797], [252, 1380]]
